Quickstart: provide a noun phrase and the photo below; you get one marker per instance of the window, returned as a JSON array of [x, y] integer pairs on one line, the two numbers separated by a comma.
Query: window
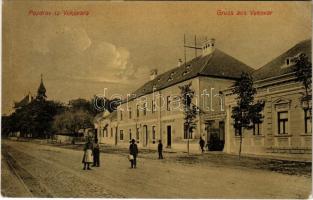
[[137, 111], [257, 128], [106, 132], [121, 135], [130, 113], [153, 106], [171, 77], [289, 62], [283, 122], [137, 134], [168, 102], [145, 109], [237, 131], [130, 134], [187, 70], [111, 132], [307, 122], [121, 115], [153, 133]]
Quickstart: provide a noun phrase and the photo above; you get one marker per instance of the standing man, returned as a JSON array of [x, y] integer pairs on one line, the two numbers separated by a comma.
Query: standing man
[[133, 150], [201, 143], [160, 149], [96, 154]]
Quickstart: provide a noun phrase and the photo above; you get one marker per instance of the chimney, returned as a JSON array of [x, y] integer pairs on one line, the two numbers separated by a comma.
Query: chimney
[[153, 74], [180, 62], [208, 47]]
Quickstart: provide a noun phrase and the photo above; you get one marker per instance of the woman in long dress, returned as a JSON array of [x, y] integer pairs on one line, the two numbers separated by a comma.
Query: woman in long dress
[[88, 157]]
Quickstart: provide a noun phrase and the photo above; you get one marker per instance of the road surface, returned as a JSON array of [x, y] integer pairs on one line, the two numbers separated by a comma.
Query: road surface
[[33, 170]]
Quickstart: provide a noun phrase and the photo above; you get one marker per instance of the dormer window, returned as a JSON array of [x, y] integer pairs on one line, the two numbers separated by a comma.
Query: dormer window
[[171, 77], [187, 70], [208, 47], [289, 62]]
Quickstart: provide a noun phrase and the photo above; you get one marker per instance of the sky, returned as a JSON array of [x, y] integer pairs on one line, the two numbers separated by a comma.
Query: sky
[[119, 43]]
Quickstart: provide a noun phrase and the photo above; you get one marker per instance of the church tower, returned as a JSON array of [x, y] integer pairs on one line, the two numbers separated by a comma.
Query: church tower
[[41, 92]]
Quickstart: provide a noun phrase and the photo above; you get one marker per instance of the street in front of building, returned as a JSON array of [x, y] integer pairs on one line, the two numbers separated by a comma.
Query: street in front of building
[[41, 170]]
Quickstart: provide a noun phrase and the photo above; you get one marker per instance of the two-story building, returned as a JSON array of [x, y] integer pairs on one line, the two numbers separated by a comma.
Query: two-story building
[[154, 111]]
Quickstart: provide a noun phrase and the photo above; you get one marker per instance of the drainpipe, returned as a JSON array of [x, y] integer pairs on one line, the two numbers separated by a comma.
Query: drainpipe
[[159, 117]]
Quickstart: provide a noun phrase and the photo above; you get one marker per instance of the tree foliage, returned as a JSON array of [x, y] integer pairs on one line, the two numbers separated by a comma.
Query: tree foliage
[[246, 113], [190, 110], [303, 72], [34, 119], [42, 118], [71, 121]]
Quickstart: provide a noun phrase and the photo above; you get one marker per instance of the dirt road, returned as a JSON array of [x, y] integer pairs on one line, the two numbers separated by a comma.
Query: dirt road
[[30, 169]]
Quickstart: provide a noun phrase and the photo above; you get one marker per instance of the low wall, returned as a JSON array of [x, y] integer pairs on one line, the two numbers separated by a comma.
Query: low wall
[[67, 139]]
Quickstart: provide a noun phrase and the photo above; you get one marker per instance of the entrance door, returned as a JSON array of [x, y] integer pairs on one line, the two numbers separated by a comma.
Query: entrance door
[[169, 136], [115, 136], [222, 134], [145, 135], [215, 135]]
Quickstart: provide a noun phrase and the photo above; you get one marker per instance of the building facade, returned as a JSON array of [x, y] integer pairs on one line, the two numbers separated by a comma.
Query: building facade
[[154, 111], [287, 126]]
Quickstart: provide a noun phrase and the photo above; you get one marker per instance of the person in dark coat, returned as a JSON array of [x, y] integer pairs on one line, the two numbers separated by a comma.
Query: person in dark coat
[[96, 154], [201, 143], [160, 149], [133, 150]]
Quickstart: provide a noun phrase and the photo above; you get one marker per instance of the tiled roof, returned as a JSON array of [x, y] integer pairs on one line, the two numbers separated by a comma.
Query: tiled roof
[[216, 64], [277, 66]]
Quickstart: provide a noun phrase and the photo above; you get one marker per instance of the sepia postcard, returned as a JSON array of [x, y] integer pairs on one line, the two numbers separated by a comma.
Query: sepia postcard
[[156, 99]]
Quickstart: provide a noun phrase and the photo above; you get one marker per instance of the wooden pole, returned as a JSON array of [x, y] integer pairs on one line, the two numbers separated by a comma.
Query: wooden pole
[[195, 46], [185, 48]]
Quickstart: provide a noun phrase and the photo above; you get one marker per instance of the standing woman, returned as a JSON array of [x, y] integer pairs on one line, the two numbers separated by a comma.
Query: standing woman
[[133, 150], [88, 157]]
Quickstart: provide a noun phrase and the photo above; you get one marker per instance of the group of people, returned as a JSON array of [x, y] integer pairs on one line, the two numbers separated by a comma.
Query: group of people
[[92, 153], [133, 152]]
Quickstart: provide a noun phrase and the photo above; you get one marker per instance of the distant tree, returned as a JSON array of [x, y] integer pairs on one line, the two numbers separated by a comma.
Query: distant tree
[[246, 113], [35, 119], [190, 111], [71, 121], [95, 105], [81, 104], [6, 126], [303, 72], [102, 104]]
